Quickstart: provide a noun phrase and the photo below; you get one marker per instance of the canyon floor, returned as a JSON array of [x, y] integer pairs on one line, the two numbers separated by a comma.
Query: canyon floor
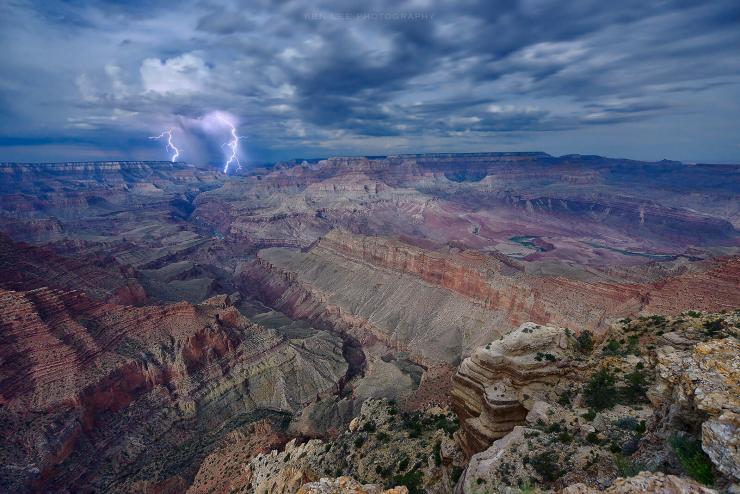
[[437, 323]]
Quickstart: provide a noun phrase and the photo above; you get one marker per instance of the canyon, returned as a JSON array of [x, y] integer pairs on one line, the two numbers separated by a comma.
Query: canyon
[[169, 328]]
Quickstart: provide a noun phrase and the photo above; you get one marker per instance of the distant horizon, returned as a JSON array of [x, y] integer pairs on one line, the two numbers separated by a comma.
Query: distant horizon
[[216, 164]]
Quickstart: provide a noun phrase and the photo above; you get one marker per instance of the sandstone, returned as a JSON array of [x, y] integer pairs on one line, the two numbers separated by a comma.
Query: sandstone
[[648, 482], [116, 379], [705, 378], [497, 387], [347, 485]]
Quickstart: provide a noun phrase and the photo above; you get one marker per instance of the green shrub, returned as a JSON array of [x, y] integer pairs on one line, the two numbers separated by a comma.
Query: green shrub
[[566, 398], [600, 392], [565, 437], [369, 426], [438, 453], [412, 480], [590, 415], [628, 423], [625, 467], [456, 473], [693, 459], [612, 347], [712, 328], [585, 342], [546, 466], [636, 386]]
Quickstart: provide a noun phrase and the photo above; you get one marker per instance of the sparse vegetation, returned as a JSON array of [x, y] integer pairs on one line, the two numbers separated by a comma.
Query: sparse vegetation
[[612, 347], [636, 386], [412, 480], [713, 327], [600, 392], [437, 453], [693, 459], [626, 467], [585, 342], [546, 465]]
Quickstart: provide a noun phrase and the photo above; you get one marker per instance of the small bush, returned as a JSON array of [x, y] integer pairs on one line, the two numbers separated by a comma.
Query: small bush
[[412, 480], [565, 437], [628, 423], [438, 453], [585, 342], [712, 328], [456, 473], [590, 415], [636, 386], [600, 392], [612, 347], [546, 466], [625, 467], [693, 459]]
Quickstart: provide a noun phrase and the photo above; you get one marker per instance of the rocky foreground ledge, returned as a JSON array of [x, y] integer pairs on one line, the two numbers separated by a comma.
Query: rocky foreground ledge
[[651, 408], [545, 407]]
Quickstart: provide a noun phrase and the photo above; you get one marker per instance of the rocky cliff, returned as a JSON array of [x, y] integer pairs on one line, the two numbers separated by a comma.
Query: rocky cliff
[[657, 394], [441, 304], [106, 396]]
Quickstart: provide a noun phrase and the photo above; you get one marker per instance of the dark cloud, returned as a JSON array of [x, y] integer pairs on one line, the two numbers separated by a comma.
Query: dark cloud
[[336, 77]]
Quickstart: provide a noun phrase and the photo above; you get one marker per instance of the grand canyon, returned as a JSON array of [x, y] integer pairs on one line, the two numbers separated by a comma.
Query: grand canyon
[[169, 328], [369, 247]]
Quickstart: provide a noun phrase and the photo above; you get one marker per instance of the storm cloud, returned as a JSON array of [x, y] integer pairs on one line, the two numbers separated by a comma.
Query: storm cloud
[[92, 79]]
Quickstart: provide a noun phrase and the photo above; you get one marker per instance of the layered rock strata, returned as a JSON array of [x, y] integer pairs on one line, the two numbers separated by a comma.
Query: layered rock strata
[[105, 396], [494, 389], [657, 394]]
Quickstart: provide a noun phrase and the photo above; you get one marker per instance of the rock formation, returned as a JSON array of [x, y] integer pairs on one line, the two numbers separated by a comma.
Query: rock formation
[[381, 446], [647, 482], [285, 302], [81, 381], [656, 394], [346, 485], [495, 388]]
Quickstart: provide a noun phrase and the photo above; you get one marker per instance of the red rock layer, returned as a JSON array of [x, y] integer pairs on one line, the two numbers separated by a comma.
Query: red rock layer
[[25, 267], [66, 356], [556, 300]]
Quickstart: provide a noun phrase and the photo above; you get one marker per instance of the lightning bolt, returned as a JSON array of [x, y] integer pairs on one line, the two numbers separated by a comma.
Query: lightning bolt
[[170, 145], [233, 145]]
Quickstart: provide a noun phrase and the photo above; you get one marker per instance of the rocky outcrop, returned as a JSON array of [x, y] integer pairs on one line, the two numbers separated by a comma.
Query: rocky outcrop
[[347, 485], [92, 392], [222, 471], [495, 388], [647, 482], [382, 446], [703, 379], [25, 267], [657, 394]]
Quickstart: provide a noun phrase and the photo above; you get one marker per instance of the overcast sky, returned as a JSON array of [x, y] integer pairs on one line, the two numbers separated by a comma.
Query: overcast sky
[[643, 79]]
